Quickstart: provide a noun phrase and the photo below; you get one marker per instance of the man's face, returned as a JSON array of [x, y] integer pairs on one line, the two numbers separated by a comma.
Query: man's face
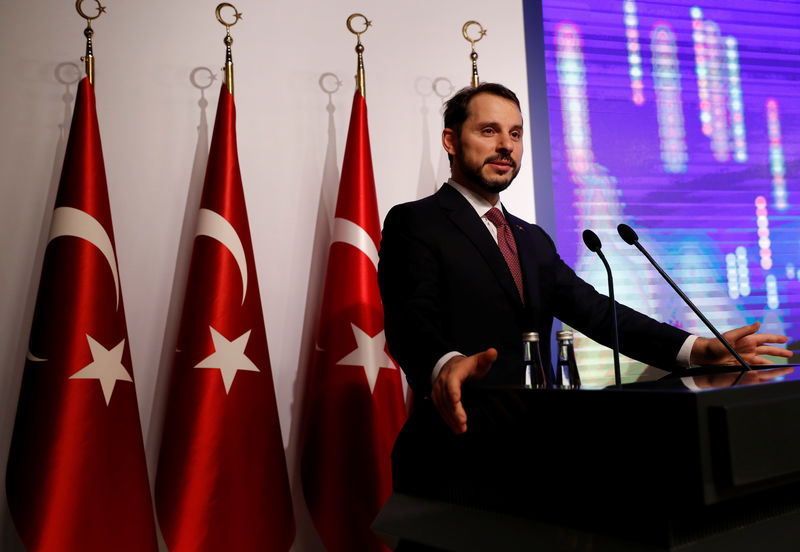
[[487, 154]]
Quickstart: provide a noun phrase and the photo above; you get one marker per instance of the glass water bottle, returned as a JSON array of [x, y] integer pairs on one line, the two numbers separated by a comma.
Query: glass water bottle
[[567, 376], [532, 358]]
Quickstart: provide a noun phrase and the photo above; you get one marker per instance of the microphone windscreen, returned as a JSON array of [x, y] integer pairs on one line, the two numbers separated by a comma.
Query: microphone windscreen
[[628, 234], [592, 241]]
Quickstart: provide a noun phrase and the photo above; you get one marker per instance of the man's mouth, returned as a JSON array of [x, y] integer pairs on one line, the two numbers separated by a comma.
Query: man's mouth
[[501, 162]]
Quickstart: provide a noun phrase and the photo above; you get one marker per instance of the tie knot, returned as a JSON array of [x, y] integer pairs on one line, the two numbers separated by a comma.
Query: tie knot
[[495, 216]]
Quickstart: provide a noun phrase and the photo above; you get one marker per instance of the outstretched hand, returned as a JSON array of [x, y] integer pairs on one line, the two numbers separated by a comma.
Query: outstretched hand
[[746, 341], [446, 392]]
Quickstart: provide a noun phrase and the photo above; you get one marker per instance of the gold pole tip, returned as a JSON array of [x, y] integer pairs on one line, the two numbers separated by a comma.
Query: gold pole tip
[[367, 24], [101, 9], [237, 15], [465, 32]]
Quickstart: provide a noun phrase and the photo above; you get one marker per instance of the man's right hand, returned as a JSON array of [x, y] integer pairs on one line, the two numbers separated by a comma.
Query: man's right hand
[[446, 392]]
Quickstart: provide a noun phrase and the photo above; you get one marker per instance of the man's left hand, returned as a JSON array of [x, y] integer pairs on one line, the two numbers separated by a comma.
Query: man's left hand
[[749, 344]]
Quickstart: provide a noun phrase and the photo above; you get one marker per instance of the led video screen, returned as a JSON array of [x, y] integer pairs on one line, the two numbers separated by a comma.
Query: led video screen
[[682, 120]]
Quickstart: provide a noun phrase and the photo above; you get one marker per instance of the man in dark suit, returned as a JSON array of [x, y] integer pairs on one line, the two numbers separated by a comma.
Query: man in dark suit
[[461, 278]]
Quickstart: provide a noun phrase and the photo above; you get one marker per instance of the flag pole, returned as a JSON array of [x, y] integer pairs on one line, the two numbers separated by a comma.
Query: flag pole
[[473, 55], [228, 40], [360, 80], [88, 32]]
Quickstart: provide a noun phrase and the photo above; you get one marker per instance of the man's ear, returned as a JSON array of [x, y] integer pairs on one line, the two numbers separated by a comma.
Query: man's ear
[[449, 141]]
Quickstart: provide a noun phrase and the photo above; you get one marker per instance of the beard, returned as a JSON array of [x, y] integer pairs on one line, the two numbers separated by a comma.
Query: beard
[[474, 173]]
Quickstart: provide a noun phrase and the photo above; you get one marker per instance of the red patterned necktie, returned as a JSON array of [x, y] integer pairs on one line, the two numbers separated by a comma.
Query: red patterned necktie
[[508, 247]]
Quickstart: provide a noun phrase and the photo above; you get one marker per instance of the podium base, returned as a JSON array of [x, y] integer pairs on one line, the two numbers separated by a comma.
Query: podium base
[[422, 524]]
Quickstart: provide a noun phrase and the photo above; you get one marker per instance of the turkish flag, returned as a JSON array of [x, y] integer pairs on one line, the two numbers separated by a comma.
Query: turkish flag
[[76, 477], [222, 482], [354, 405]]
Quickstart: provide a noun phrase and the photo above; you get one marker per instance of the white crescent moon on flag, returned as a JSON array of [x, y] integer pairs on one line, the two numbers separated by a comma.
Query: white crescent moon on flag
[[215, 226], [346, 231], [33, 358], [68, 221]]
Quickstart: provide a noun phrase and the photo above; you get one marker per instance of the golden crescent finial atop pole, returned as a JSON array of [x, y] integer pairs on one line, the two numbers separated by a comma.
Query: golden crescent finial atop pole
[[88, 32], [473, 54], [228, 40], [360, 79]]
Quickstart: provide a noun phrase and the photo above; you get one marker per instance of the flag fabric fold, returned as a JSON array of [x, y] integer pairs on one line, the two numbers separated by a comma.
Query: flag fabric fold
[[353, 408], [76, 479], [222, 481]]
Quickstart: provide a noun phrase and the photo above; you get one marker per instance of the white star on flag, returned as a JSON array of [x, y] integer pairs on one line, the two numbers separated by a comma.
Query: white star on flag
[[370, 353], [228, 357], [106, 366]]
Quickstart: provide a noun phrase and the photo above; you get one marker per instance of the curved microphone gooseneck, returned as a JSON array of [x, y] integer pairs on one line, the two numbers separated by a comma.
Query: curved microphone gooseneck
[[592, 241], [631, 238]]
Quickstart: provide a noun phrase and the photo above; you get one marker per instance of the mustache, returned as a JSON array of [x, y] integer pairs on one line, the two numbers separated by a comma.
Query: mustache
[[503, 158]]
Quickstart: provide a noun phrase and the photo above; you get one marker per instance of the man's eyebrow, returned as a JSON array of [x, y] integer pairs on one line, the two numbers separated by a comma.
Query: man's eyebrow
[[496, 123]]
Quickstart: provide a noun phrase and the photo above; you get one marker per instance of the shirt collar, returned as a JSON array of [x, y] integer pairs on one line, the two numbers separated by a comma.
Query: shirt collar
[[478, 202]]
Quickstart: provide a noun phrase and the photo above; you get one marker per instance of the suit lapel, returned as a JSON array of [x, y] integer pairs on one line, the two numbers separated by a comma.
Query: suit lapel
[[526, 250], [467, 220]]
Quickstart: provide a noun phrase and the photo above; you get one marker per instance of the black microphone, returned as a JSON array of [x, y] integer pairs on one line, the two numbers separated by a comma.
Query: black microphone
[[629, 235], [592, 241]]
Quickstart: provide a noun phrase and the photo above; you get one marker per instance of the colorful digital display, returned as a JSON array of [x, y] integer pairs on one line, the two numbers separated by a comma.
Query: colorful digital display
[[682, 120]]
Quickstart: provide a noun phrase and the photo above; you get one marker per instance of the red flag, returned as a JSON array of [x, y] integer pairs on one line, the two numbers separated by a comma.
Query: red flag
[[222, 482], [354, 401], [77, 478]]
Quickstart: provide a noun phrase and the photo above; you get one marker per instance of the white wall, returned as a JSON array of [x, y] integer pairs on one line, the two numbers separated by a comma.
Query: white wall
[[149, 117]]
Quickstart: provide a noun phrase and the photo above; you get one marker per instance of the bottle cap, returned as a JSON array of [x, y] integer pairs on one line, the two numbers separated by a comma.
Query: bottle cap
[[530, 336]]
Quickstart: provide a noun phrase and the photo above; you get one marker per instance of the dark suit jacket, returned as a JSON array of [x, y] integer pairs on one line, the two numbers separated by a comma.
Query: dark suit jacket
[[446, 287]]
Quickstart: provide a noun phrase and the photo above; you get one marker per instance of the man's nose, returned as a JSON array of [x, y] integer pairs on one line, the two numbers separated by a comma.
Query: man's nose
[[505, 143]]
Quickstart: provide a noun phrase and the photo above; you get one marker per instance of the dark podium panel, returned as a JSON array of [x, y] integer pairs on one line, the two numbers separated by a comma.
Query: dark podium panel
[[658, 466]]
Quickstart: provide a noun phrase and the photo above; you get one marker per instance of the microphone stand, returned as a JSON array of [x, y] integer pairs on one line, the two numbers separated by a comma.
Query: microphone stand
[[592, 241], [629, 235]]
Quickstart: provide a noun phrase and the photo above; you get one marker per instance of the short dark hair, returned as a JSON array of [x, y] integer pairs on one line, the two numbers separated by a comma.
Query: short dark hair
[[456, 108]]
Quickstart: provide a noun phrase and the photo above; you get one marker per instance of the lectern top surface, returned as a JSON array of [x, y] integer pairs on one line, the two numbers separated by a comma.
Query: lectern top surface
[[705, 378]]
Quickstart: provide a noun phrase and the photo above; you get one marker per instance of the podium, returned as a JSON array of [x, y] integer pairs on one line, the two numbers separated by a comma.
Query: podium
[[658, 467]]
